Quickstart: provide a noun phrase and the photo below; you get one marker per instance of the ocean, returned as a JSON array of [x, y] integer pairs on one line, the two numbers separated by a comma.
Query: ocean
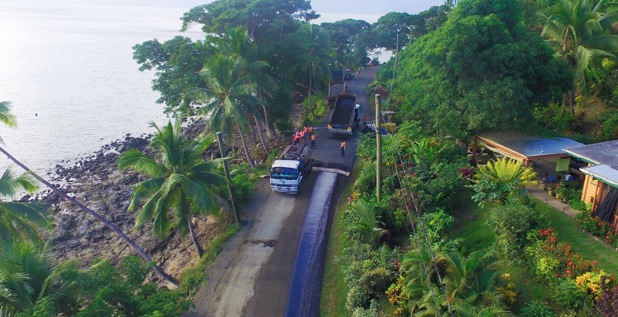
[[67, 70]]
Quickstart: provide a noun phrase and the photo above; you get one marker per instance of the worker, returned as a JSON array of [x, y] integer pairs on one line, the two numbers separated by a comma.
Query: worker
[[310, 130], [364, 120], [343, 148], [295, 137], [302, 135], [313, 141]]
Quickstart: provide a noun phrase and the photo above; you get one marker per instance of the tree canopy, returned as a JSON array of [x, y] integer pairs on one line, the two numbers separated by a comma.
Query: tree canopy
[[480, 71]]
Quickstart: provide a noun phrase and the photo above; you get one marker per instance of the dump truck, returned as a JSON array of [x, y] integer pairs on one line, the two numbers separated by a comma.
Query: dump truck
[[345, 115], [289, 169]]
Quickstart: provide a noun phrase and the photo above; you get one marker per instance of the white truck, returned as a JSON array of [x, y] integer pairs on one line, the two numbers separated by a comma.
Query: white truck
[[289, 169]]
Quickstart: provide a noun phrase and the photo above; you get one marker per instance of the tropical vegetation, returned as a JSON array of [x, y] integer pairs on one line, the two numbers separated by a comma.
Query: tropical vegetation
[[470, 75], [462, 68]]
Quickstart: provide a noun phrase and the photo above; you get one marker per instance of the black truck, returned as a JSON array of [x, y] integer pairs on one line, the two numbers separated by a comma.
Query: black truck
[[345, 115]]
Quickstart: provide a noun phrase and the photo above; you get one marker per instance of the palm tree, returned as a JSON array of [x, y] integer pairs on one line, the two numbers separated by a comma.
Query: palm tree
[[180, 181], [229, 98], [29, 281], [468, 282], [471, 279], [20, 220], [237, 45], [316, 63], [23, 271], [580, 33], [500, 179], [7, 118], [366, 225]]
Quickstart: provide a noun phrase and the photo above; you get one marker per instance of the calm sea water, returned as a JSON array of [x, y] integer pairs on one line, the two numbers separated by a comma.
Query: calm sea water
[[69, 74]]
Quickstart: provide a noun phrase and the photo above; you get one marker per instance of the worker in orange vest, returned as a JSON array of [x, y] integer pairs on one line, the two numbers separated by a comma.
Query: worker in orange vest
[[343, 148], [313, 141], [295, 137]]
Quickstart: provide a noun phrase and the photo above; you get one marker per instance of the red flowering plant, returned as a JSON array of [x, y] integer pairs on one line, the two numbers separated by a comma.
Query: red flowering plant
[[594, 225], [551, 258]]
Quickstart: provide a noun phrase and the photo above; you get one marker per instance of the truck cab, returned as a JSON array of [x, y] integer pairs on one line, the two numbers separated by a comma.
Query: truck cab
[[288, 170]]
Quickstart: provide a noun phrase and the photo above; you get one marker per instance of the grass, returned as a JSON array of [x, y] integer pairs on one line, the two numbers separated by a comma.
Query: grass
[[569, 230], [470, 225], [334, 288]]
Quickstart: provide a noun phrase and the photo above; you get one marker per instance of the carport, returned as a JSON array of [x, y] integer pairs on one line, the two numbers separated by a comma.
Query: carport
[[526, 148]]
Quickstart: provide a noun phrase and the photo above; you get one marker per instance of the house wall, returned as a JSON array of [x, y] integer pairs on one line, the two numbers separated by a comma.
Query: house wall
[[592, 191]]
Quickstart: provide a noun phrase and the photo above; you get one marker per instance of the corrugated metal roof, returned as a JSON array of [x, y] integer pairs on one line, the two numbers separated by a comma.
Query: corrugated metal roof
[[530, 146], [602, 172], [605, 153]]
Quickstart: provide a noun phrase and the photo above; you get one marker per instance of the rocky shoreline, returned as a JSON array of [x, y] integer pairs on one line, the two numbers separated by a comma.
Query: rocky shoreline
[[96, 182]]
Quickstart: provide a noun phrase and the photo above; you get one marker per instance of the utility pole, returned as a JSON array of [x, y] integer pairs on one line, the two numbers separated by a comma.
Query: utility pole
[[378, 148], [227, 175]]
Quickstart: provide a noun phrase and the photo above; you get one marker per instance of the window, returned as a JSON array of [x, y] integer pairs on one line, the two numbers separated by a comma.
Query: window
[[283, 173]]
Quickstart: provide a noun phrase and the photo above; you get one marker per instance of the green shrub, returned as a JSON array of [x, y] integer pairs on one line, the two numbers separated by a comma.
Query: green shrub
[[372, 311], [537, 309], [577, 204], [357, 297], [366, 182], [610, 127], [435, 225], [569, 295], [368, 273], [511, 224], [243, 188]]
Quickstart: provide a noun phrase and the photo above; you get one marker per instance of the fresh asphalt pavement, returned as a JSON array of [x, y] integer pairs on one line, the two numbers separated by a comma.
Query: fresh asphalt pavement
[[251, 276]]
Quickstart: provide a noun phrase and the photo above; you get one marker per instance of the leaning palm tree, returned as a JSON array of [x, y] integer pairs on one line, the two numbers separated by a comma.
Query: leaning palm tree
[[7, 118], [229, 98], [581, 33], [181, 183]]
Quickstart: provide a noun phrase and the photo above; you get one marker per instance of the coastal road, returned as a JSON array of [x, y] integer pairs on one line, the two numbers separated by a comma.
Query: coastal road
[[251, 276]]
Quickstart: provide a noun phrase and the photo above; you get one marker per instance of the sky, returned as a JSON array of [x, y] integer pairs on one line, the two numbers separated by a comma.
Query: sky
[[331, 10]]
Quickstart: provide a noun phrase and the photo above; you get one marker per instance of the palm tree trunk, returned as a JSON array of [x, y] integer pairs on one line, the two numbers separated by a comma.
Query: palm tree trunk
[[310, 86], [270, 132], [259, 128], [108, 224], [571, 101], [198, 248], [252, 135], [246, 148]]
